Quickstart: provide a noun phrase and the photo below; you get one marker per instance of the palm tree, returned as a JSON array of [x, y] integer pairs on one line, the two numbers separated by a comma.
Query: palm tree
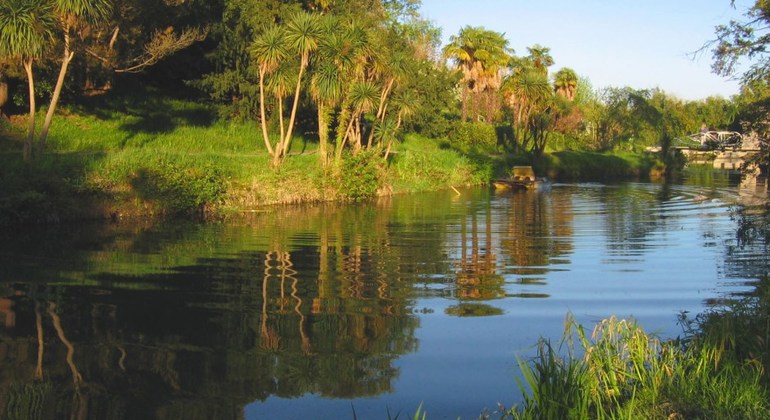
[[565, 83], [326, 90], [71, 14], [303, 34], [363, 97], [333, 62], [540, 57], [528, 94], [269, 50], [278, 45], [480, 54], [26, 28]]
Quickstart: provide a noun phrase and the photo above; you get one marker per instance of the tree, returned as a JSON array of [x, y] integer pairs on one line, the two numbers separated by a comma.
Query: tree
[[279, 46], [269, 50], [565, 83], [529, 96], [747, 39], [26, 29], [480, 55], [138, 34], [70, 14], [540, 57]]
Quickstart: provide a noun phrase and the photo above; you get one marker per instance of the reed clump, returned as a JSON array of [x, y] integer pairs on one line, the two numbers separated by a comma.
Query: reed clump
[[620, 371]]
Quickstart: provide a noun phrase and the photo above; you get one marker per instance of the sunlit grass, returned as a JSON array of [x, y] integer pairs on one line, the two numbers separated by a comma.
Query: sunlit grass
[[620, 371]]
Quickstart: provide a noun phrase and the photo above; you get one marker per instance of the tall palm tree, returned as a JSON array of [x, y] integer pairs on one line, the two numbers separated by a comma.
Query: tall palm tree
[[528, 94], [291, 43], [363, 97], [269, 50], [332, 63], [565, 83], [540, 57], [71, 14], [26, 29], [480, 54], [303, 34], [326, 90]]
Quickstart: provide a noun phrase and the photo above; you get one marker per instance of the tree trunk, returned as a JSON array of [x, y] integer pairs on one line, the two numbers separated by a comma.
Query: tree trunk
[[289, 131], [66, 58], [323, 134], [40, 342], [262, 117], [3, 95], [27, 150]]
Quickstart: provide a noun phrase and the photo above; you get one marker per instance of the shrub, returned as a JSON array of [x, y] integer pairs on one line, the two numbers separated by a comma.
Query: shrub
[[178, 188], [361, 174], [471, 136]]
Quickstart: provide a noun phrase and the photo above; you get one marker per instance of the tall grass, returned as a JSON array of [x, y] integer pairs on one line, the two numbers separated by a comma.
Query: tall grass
[[622, 372]]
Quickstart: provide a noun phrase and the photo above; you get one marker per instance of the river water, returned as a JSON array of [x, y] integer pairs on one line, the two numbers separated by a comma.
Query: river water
[[351, 311]]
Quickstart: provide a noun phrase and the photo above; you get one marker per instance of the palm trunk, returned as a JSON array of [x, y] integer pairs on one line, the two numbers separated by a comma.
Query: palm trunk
[[27, 151], [40, 342], [287, 139], [279, 148], [262, 114], [66, 59], [382, 108], [323, 133], [342, 136], [464, 104]]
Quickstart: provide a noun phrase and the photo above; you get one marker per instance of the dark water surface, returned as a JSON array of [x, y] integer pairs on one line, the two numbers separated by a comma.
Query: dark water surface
[[339, 311]]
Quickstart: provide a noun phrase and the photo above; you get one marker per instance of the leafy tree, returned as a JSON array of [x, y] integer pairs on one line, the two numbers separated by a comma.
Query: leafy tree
[[26, 29], [748, 38], [138, 34]]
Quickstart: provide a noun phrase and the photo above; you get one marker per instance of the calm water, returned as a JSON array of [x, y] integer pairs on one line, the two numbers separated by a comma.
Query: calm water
[[327, 311]]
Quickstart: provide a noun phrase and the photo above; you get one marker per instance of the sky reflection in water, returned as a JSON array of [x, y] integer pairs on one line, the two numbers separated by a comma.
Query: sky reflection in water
[[374, 308]]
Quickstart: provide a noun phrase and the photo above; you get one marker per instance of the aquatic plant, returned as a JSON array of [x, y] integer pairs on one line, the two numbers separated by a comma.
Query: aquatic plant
[[621, 371]]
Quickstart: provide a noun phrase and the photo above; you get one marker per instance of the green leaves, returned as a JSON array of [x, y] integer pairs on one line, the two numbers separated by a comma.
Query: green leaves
[[88, 10], [26, 28], [270, 47], [303, 33]]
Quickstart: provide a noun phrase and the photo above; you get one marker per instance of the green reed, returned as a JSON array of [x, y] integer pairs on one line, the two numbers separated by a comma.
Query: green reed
[[620, 371]]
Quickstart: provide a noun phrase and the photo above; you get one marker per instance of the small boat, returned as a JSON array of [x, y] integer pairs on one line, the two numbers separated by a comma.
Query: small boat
[[523, 178]]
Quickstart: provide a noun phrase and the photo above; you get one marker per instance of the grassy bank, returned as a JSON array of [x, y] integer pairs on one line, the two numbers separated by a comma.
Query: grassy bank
[[138, 156]]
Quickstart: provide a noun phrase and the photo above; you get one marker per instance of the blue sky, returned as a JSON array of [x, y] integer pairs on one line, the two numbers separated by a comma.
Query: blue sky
[[641, 43]]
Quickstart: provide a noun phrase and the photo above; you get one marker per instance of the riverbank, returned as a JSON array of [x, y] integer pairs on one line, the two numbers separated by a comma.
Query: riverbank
[[164, 157]]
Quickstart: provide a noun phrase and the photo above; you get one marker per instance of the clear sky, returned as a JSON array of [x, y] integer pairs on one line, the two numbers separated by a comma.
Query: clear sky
[[637, 43]]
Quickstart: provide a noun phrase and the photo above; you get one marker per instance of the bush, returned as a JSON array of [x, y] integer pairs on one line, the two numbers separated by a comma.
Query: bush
[[177, 188], [473, 136], [361, 174]]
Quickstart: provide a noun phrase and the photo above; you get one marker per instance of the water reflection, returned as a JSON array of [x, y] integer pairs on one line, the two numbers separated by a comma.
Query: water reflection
[[330, 302]]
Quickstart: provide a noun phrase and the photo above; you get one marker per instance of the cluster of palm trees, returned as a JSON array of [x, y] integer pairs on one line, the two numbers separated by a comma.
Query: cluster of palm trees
[[353, 73], [492, 75]]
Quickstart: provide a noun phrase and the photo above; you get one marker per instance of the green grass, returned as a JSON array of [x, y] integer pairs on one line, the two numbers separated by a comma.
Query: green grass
[[143, 153], [157, 156], [620, 371]]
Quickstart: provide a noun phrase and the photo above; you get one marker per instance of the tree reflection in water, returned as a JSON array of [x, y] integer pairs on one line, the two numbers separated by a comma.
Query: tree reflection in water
[[192, 321]]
